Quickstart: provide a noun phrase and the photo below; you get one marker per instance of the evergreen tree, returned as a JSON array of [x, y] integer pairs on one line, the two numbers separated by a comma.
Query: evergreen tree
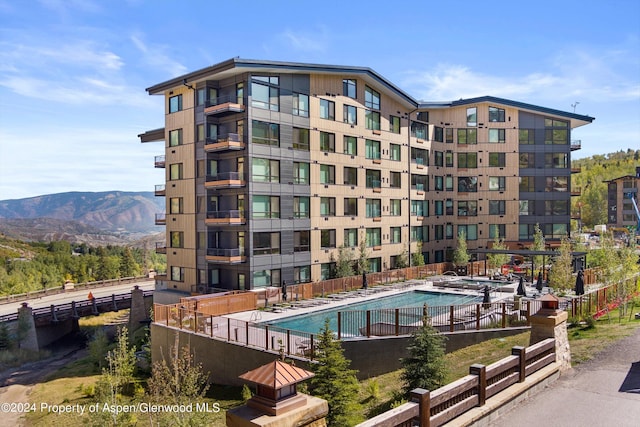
[[461, 255], [128, 265], [425, 366], [334, 381]]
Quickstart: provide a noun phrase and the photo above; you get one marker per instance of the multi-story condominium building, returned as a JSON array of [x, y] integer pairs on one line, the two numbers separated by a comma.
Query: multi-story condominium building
[[272, 167], [620, 209]]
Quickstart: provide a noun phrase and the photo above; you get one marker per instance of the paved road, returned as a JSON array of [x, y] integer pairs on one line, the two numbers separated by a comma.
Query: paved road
[[604, 391], [80, 295]]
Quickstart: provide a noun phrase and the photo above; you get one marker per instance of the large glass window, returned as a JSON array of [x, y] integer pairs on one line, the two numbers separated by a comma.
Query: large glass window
[[467, 160], [394, 152], [176, 239], [526, 136], [467, 136], [263, 278], [419, 130], [526, 160], [301, 173], [302, 241], [419, 233], [372, 119], [556, 207], [438, 207], [177, 274], [371, 98], [497, 207], [265, 170], [349, 88], [527, 184], [472, 116], [350, 114], [301, 207], [374, 208], [438, 183], [556, 160], [300, 139], [469, 230], [496, 114], [395, 235], [395, 180], [327, 109], [556, 136], [350, 176], [300, 105], [497, 230], [372, 149], [351, 145], [175, 137], [327, 142], [350, 237], [448, 183], [265, 207], [175, 104], [448, 135], [327, 174], [373, 178], [448, 159], [373, 237], [557, 183], [467, 208], [419, 156], [266, 243], [497, 160], [394, 124], [265, 133], [327, 270], [175, 205], [438, 158], [265, 93], [395, 208], [327, 206], [438, 231], [419, 208], [350, 206], [328, 238], [302, 274], [419, 182], [497, 136], [467, 184], [175, 171]]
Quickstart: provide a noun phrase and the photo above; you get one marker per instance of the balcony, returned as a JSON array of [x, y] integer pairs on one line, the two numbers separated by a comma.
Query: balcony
[[225, 256], [576, 191], [159, 162], [161, 248], [160, 190], [375, 184], [223, 106], [231, 217], [576, 170], [576, 145], [228, 142], [161, 219], [225, 180]]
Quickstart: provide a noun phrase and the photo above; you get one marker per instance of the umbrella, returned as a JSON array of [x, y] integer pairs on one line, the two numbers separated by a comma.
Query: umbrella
[[364, 280], [486, 298], [539, 282], [580, 283], [521, 290]]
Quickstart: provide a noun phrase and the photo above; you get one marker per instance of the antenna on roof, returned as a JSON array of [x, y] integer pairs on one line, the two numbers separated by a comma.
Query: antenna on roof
[[575, 105]]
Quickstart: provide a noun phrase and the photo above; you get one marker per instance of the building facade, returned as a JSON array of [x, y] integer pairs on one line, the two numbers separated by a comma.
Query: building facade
[[275, 170], [620, 209]]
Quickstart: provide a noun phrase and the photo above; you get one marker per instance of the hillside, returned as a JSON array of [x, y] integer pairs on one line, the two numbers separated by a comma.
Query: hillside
[[104, 217]]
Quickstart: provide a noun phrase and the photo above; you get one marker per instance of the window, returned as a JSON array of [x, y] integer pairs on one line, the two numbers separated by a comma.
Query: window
[[327, 270], [497, 136], [467, 160], [301, 173], [300, 139], [395, 180], [556, 160], [327, 174], [526, 207], [301, 207], [212, 132], [350, 176], [423, 116], [526, 184], [526, 137], [396, 235], [327, 206], [327, 142], [419, 156], [265, 170], [175, 137], [265, 96], [437, 207], [467, 208], [175, 104], [265, 207], [395, 207], [263, 278], [177, 274], [497, 160], [556, 183], [350, 206], [300, 105], [266, 243], [373, 179], [448, 183], [472, 116], [448, 231], [327, 109], [497, 230], [200, 135], [555, 231], [526, 160], [419, 233], [394, 152], [351, 145], [372, 149], [175, 171], [555, 136], [176, 239], [371, 98], [374, 208], [438, 134], [419, 130], [200, 96], [265, 133], [328, 238], [372, 119], [175, 205], [496, 114], [448, 159], [497, 207], [419, 208], [419, 182], [373, 237], [469, 230], [467, 136], [349, 88], [438, 158], [349, 114], [467, 184], [302, 274], [448, 135], [556, 207], [394, 124], [350, 237], [438, 183], [375, 265], [302, 241], [240, 93]]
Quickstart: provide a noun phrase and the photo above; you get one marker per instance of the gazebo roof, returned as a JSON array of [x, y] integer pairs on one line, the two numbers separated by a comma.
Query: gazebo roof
[[276, 375]]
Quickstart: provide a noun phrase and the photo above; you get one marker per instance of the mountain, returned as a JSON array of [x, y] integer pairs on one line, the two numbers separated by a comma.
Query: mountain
[[108, 216]]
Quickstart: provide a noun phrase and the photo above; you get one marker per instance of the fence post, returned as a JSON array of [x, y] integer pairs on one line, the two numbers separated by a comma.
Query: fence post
[[422, 396], [397, 321], [521, 352], [368, 323], [481, 372], [451, 313], [228, 328], [504, 315], [339, 324], [529, 313], [288, 341], [246, 327], [312, 349], [477, 317], [266, 337]]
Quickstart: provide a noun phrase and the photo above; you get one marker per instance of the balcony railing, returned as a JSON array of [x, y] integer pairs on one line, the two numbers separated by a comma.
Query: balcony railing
[[230, 217], [576, 170], [224, 105], [230, 141], [160, 190], [225, 180], [161, 247], [225, 256], [160, 161], [161, 219], [576, 191], [576, 145]]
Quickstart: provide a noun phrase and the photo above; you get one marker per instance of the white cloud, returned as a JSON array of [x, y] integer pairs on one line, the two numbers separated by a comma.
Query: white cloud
[[155, 56], [311, 42]]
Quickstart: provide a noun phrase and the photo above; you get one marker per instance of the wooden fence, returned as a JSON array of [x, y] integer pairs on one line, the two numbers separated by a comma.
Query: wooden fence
[[435, 408]]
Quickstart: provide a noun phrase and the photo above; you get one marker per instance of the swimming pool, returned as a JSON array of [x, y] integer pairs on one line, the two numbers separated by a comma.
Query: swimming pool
[[313, 322]]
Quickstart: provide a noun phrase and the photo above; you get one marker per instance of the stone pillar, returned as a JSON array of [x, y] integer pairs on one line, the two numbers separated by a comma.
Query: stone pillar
[[138, 313], [25, 329], [549, 323], [312, 414]]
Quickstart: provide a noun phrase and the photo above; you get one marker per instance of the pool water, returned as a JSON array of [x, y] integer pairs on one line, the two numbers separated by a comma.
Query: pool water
[[313, 322]]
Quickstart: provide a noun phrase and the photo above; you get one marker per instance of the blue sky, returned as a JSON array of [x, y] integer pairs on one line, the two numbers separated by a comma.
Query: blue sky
[[73, 73]]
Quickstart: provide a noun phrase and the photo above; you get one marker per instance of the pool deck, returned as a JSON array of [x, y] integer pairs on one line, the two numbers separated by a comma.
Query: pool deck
[[344, 299]]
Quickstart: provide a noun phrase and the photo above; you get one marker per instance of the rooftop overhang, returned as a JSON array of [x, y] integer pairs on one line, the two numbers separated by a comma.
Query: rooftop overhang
[[576, 120], [152, 135]]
